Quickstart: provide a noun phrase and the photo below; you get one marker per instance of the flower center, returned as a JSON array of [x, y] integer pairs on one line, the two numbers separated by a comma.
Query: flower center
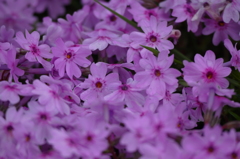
[[179, 125], [210, 149], [9, 128], [43, 116], [27, 138], [157, 73], [234, 155], [221, 23], [34, 49], [124, 87], [158, 127], [98, 84], [46, 148], [209, 75], [153, 38], [89, 138], [113, 18], [206, 4], [230, 1], [150, 14], [69, 55]]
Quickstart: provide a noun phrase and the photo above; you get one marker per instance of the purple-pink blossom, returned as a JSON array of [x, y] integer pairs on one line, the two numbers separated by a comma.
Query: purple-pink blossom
[[69, 57], [157, 77]]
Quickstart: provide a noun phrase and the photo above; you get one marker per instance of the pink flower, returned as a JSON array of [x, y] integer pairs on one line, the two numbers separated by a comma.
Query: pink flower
[[212, 144], [12, 62], [235, 60], [132, 53], [50, 96], [107, 18], [157, 77], [70, 57], [184, 122], [206, 76], [51, 30], [9, 92], [162, 123], [98, 84], [3, 52], [67, 144], [155, 34], [65, 86], [88, 141], [141, 14], [72, 26], [140, 132], [163, 149], [231, 11], [206, 91], [9, 127], [221, 30], [93, 136], [16, 14], [205, 70], [127, 93], [35, 52], [54, 7], [172, 98], [100, 39], [27, 145], [42, 119], [209, 7], [233, 137], [6, 35], [185, 11]]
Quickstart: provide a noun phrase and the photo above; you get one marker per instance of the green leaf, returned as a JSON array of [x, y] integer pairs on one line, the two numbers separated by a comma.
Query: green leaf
[[154, 51], [233, 82], [234, 115], [183, 82], [120, 16], [235, 74], [178, 62], [179, 55]]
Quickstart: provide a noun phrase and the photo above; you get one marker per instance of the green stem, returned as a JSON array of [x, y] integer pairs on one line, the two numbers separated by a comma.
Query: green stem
[[180, 55], [120, 16]]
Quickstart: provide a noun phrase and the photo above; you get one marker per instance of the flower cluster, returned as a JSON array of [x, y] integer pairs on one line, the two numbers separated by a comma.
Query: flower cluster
[[108, 81]]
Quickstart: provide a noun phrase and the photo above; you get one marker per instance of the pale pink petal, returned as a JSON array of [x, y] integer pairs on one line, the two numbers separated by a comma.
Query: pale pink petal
[[98, 70], [143, 79], [99, 44], [88, 95], [230, 13], [73, 70], [146, 64], [60, 66], [45, 51], [157, 88], [115, 97], [82, 61], [30, 57], [209, 28], [11, 114], [209, 55], [219, 36]]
